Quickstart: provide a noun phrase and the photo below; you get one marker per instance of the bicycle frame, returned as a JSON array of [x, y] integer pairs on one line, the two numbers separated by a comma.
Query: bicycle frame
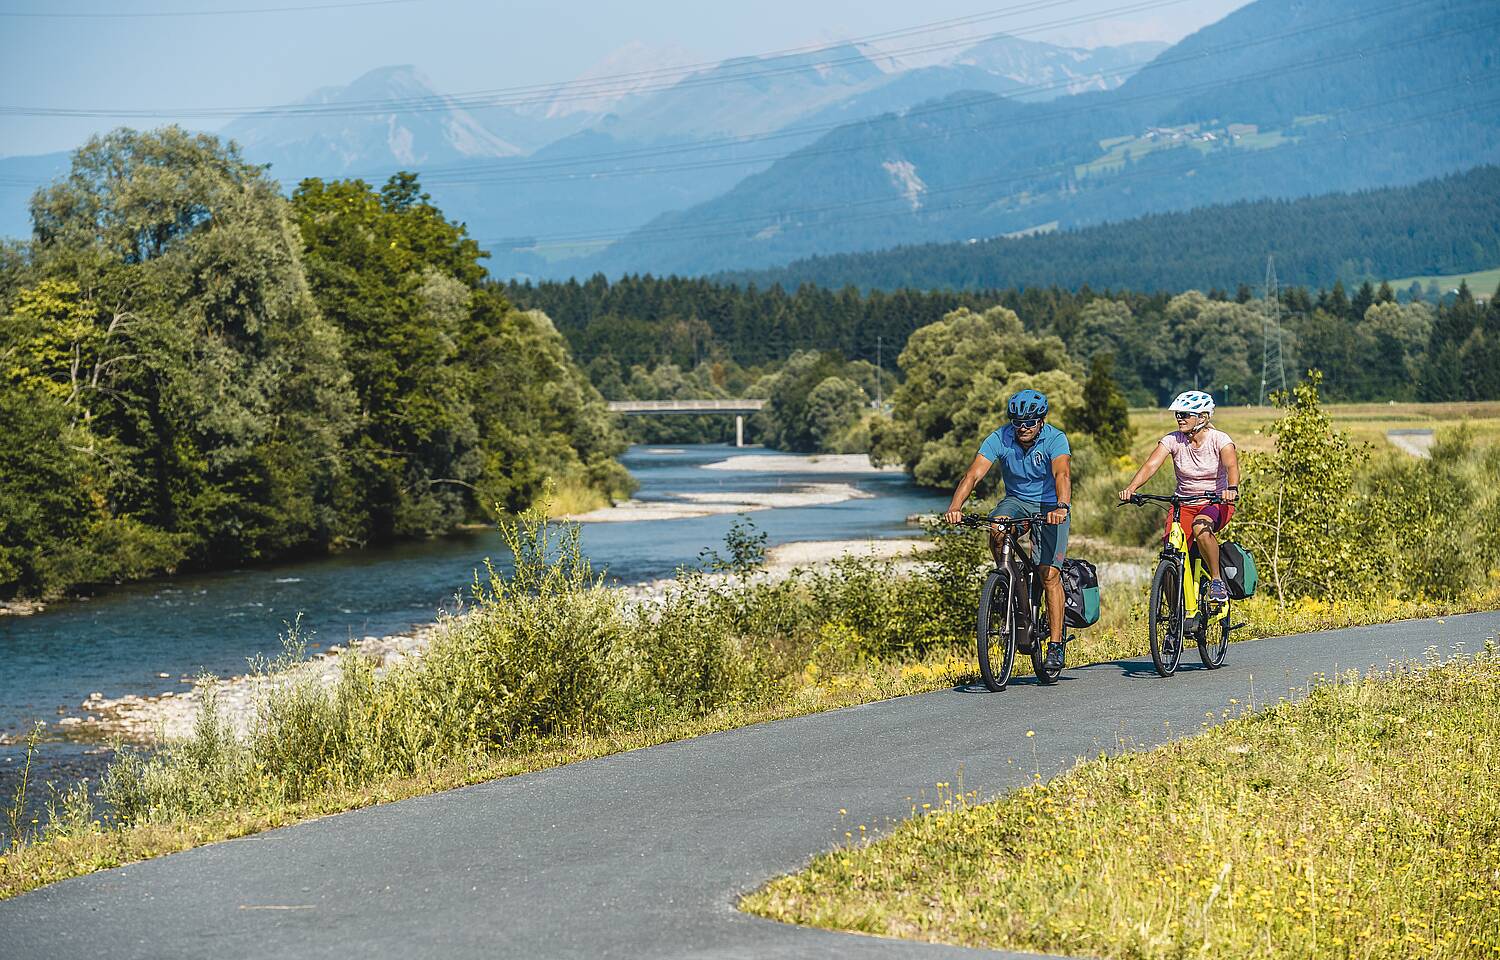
[[1017, 561], [1194, 570]]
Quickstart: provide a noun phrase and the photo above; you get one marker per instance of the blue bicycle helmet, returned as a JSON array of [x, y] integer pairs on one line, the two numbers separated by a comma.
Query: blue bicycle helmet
[[1026, 405]]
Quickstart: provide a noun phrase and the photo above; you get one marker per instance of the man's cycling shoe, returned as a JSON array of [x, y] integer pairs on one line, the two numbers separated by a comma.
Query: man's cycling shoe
[[1054, 657], [1217, 592]]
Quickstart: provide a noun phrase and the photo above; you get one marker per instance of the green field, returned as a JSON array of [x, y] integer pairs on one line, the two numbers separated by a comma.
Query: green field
[[1482, 283], [1119, 150], [1364, 421]]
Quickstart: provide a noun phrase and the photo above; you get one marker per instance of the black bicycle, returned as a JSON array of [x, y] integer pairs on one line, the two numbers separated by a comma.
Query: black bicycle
[[1180, 609], [1012, 609]]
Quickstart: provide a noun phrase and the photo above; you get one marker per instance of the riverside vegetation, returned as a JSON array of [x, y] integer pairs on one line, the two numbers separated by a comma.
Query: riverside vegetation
[[546, 666], [197, 372]]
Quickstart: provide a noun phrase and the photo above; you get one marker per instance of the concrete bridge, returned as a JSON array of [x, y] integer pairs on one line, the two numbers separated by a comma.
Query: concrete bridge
[[641, 408]]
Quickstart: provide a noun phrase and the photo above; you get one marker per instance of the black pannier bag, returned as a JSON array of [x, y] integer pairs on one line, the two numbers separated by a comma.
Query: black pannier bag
[[1237, 568], [1080, 593]]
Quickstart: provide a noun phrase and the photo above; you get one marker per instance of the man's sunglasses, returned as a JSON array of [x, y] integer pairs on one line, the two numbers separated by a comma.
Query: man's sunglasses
[[1026, 424]]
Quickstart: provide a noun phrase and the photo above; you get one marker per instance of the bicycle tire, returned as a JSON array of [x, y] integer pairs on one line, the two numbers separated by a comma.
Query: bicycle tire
[[1165, 618], [995, 598], [1212, 652]]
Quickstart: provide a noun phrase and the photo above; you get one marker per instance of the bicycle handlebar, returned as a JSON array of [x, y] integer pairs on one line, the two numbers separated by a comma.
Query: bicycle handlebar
[[976, 520], [1141, 498]]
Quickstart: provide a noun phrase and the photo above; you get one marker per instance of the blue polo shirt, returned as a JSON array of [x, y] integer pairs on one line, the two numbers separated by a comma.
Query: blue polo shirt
[[1027, 473]]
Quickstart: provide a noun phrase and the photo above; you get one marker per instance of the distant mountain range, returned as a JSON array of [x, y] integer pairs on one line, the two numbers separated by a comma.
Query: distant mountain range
[[1449, 225], [754, 163], [1282, 98], [629, 140]]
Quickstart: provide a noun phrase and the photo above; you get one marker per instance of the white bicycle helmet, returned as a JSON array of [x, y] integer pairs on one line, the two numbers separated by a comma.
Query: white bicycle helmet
[[1192, 401]]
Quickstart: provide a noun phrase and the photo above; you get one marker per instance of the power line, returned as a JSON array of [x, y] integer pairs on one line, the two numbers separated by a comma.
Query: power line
[[464, 174], [1270, 330], [1126, 175], [813, 151], [1031, 119], [119, 15], [583, 89]]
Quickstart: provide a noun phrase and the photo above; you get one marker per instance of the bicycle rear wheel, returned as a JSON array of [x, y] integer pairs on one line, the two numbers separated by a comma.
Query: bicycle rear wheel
[[1165, 612], [997, 630], [1215, 641]]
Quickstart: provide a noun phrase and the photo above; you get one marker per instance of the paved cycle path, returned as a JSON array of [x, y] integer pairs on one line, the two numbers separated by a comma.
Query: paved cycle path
[[643, 854]]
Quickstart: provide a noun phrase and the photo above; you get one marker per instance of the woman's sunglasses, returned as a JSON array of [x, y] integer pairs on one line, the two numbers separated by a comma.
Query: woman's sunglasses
[[1185, 416]]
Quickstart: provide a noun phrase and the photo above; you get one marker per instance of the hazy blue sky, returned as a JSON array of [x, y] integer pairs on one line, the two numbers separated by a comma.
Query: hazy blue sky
[[252, 59]]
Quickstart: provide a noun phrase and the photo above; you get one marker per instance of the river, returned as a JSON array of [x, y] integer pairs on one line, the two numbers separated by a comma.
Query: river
[[153, 637]]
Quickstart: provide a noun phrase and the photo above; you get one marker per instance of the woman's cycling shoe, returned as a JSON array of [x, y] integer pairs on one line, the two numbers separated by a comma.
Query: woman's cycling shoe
[[1217, 592]]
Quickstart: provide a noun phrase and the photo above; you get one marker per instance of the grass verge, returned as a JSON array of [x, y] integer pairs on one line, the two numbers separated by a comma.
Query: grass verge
[[1360, 822], [82, 843]]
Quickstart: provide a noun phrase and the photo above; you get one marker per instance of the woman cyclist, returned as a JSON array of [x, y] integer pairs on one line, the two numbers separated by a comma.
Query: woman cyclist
[[1206, 462]]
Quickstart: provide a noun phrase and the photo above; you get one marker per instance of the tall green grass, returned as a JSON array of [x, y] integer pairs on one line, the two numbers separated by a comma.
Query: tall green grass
[[547, 651]]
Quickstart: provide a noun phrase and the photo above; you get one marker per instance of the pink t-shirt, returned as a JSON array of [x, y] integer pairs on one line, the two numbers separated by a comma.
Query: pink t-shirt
[[1200, 469]]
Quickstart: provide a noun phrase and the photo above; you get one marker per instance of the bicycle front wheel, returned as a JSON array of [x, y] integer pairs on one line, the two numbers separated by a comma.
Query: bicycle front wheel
[[997, 630], [1215, 642], [1165, 627]]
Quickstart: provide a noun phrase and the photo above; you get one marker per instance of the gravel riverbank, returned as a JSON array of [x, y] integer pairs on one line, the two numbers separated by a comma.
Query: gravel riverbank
[[171, 716]]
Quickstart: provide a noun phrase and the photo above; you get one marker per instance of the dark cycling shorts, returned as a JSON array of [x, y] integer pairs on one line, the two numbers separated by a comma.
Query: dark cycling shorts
[[1049, 541]]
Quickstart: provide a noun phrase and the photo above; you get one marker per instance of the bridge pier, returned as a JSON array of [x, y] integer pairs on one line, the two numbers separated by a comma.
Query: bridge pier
[[739, 429]]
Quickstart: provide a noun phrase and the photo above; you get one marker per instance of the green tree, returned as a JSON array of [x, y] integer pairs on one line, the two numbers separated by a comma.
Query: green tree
[[230, 402], [834, 406], [960, 371], [787, 420], [467, 403], [1297, 506], [1104, 414], [1209, 343]]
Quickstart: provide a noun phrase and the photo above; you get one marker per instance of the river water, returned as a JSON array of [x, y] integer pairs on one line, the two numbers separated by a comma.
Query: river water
[[154, 637]]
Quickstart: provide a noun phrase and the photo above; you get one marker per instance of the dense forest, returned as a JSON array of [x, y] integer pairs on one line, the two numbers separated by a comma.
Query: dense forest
[[196, 371], [697, 334], [1444, 226]]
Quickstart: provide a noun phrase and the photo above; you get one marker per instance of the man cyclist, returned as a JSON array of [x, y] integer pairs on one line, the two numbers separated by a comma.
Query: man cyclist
[[1035, 460], [1205, 461]]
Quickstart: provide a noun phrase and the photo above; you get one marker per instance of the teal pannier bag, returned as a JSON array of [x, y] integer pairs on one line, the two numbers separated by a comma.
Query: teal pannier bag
[[1238, 569], [1080, 593]]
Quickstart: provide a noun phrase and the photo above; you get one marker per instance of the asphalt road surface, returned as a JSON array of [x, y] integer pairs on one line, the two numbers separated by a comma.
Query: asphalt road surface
[[644, 854]]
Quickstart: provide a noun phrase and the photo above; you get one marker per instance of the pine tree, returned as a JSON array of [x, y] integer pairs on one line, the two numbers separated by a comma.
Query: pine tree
[[1104, 414]]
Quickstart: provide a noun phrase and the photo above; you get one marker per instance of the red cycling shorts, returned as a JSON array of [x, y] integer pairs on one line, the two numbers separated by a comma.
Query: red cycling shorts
[[1216, 513]]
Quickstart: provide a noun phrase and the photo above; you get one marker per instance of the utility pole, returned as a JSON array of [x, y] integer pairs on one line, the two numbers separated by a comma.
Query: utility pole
[[1271, 366]]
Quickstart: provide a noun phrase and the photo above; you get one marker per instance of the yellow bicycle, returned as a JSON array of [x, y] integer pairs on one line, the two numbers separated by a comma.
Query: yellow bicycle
[[1180, 608]]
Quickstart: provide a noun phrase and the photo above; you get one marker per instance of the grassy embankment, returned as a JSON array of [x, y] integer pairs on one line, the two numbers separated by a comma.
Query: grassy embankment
[[1482, 283], [186, 802], [547, 668], [1360, 822], [1364, 422]]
